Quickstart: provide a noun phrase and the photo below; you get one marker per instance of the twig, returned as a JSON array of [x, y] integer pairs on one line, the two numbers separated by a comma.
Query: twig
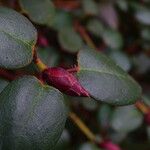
[[38, 61], [85, 35], [82, 127], [142, 107]]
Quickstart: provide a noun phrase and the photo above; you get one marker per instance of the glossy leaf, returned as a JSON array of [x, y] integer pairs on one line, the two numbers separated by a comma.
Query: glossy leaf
[[104, 80], [126, 119], [32, 115], [17, 39], [70, 40], [40, 11]]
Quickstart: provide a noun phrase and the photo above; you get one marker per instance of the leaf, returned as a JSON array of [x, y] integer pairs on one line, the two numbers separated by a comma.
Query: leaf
[[89, 146], [126, 119], [62, 19], [123, 5], [17, 39], [49, 55], [108, 14], [143, 16], [90, 7], [104, 80], [104, 115], [112, 38], [95, 27], [70, 40], [32, 115], [121, 59], [63, 143], [88, 103], [40, 11], [145, 34], [3, 84]]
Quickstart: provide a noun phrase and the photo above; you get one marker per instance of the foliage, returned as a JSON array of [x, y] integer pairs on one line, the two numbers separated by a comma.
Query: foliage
[[95, 51]]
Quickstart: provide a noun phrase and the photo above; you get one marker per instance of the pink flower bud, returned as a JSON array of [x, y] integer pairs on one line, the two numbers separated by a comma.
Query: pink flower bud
[[42, 41], [64, 81], [108, 145]]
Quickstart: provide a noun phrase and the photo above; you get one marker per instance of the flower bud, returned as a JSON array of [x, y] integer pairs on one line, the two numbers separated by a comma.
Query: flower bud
[[64, 81], [108, 145], [42, 41]]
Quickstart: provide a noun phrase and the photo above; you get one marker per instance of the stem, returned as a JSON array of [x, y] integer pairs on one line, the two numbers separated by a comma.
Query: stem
[[82, 127], [39, 62], [7, 74], [85, 35], [142, 107]]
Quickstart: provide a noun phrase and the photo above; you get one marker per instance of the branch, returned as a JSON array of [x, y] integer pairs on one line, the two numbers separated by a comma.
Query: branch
[[38, 61], [88, 133], [85, 35]]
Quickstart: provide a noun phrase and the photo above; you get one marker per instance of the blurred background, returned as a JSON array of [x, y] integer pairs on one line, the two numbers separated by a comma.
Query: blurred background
[[118, 28]]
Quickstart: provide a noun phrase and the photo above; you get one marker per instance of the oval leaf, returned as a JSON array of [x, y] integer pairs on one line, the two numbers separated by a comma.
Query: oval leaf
[[112, 38], [32, 115], [70, 40], [104, 80], [40, 11], [90, 7], [126, 119], [17, 39]]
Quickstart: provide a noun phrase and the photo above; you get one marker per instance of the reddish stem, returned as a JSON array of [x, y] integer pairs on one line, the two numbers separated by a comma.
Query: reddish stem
[[67, 4], [85, 35], [9, 75]]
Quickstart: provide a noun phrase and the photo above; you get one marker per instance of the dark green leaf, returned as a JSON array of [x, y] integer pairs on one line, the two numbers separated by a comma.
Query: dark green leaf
[[70, 40], [3, 84], [17, 39], [143, 16], [121, 59], [62, 19], [104, 115], [40, 11], [50, 56], [126, 119], [89, 103], [32, 115], [63, 143], [88, 146], [90, 7], [95, 27], [112, 38], [104, 80]]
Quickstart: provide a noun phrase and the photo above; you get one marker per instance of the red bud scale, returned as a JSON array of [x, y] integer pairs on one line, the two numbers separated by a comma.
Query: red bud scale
[[64, 81]]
